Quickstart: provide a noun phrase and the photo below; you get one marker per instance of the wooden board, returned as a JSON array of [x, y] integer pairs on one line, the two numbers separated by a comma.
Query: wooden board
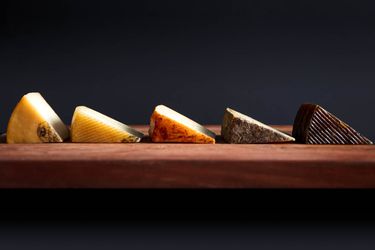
[[154, 165]]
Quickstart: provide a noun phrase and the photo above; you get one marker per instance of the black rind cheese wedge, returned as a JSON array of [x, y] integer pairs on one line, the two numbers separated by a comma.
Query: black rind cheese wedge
[[315, 125], [3, 138]]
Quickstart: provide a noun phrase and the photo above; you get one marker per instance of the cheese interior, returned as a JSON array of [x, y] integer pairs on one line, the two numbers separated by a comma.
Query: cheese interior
[[179, 118]]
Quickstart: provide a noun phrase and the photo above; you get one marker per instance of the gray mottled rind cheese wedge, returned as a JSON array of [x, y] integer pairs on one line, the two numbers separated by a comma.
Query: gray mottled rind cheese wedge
[[242, 129]]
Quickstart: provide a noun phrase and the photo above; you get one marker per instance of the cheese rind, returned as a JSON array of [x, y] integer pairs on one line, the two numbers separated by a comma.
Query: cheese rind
[[89, 125], [238, 128], [315, 125], [34, 121], [167, 125]]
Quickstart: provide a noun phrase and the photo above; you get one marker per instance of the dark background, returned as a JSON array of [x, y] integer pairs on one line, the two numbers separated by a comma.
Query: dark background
[[263, 58]]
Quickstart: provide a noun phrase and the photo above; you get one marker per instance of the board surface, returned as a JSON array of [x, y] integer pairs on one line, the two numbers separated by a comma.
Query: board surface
[[162, 165]]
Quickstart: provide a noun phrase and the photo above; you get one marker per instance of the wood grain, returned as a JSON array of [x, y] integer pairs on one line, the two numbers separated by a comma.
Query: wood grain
[[154, 165]]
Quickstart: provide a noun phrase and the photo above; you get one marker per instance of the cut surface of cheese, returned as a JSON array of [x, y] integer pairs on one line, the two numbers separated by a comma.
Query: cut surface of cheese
[[167, 125], [89, 125], [34, 121], [315, 125], [241, 129]]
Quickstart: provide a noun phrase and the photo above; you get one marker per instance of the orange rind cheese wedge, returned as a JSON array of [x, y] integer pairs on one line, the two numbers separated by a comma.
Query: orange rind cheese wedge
[[167, 125]]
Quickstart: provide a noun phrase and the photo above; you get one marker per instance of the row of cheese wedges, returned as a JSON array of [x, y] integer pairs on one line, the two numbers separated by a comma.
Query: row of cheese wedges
[[34, 121]]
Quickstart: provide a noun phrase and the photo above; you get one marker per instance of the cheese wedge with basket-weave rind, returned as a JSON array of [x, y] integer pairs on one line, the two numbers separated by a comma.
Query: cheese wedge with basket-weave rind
[[89, 125], [34, 121], [167, 125]]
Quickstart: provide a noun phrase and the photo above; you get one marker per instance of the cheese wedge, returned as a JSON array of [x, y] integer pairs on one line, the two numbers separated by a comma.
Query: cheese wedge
[[240, 128], [166, 125], [315, 125], [34, 121], [89, 125]]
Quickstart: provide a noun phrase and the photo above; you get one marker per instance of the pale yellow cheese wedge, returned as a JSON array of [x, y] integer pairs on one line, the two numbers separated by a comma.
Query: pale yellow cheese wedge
[[167, 125], [34, 121], [89, 125]]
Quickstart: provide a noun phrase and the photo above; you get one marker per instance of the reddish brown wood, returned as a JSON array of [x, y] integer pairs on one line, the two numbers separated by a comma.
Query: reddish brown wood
[[149, 165]]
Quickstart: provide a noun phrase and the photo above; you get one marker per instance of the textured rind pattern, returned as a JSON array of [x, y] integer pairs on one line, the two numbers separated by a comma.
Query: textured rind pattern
[[47, 133], [86, 128], [315, 125], [325, 128], [240, 131], [164, 129]]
